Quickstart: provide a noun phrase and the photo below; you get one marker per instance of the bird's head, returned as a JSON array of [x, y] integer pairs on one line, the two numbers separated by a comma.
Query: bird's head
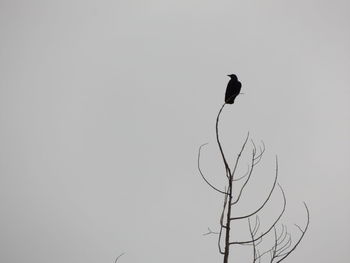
[[232, 76]]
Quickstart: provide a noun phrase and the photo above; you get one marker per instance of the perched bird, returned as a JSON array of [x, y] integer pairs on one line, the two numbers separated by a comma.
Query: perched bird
[[233, 89]]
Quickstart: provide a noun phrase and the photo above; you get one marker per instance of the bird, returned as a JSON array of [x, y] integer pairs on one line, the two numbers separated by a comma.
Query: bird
[[233, 89]]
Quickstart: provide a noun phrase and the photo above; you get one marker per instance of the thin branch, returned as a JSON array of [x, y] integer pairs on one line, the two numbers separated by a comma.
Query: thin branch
[[259, 241], [302, 234], [258, 254], [266, 200], [257, 225], [239, 178], [219, 239], [222, 226], [244, 185], [279, 240], [287, 236], [284, 228], [223, 209], [266, 232], [201, 173], [254, 245], [238, 157], [274, 248], [249, 175], [227, 167], [210, 232], [286, 246], [257, 158], [250, 244], [263, 254], [119, 257]]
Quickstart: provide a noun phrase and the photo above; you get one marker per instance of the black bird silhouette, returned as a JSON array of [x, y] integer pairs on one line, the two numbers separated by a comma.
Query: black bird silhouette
[[233, 89]]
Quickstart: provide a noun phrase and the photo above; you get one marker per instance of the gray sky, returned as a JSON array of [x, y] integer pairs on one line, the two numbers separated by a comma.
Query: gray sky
[[103, 105]]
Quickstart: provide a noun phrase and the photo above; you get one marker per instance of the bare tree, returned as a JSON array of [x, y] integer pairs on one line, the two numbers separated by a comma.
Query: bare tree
[[283, 245]]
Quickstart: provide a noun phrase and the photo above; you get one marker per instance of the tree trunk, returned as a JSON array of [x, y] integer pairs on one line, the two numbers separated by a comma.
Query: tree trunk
[[228, 223]]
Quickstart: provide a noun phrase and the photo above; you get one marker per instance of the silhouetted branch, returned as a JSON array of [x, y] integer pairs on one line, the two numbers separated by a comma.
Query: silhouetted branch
[[252, 236], [222, 226], [257, 225], [239, 178], [201, 173], [284, 234], [274, 249], [257, 242], [272, 226], [119, 257], [210, 232], [303, 231], [258, 256], [228, 171], [264, 253], [286, 246], [266, 200], [253, 163], [223, 209], [257, 158], [238, 157], [278, 251]]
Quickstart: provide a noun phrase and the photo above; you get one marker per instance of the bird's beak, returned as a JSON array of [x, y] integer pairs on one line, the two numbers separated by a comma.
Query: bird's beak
[[228, 75]]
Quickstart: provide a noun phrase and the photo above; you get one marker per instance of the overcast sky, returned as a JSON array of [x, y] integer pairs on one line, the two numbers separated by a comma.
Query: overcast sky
[[103, 105]]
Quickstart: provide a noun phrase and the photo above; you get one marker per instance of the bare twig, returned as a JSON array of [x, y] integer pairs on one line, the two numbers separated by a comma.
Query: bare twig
[[228, 171], [254, 245], [257, 158], [274, 249], [119, 257], [222, 226], [303, 231], [278, 241], [253, 163], [210, 232], [201, 173], [240, 178], [283, 234], [257, 225], [266, 200], [237, 159], [286, 246], [272, 226]]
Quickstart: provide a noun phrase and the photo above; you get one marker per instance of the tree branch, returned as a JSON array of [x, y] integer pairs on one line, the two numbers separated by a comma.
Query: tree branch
[[238, 157], [252, 236], [201, 173], [265, 233], [119, 257], [210, 232], [222, 226], [253, 163], [266, 200], [239, 178], [228, 171], [302, 234]]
